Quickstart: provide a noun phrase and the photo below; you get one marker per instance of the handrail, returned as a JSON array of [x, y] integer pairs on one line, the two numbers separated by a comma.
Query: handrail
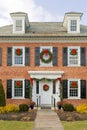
[[53, 101], [38, 100]]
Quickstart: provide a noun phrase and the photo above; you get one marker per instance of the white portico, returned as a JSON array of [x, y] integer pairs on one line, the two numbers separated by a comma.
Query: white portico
[[46, 87]]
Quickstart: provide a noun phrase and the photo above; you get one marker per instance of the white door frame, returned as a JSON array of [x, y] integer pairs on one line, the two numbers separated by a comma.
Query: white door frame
[[49, 75]]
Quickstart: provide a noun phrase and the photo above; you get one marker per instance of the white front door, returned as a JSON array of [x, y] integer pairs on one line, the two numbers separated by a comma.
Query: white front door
[[46, 97], [45, 93]]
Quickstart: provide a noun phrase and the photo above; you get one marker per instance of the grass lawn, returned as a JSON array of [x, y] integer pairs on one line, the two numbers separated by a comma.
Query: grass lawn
[[16, 125], [75, 125]]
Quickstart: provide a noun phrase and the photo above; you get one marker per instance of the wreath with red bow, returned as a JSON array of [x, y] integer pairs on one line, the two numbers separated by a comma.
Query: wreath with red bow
[[46, 53], [18, 51], [18, 83], [73, 52], [45, 87]]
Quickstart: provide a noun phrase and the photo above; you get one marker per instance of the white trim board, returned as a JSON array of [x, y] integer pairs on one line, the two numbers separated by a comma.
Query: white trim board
[[45, 74]]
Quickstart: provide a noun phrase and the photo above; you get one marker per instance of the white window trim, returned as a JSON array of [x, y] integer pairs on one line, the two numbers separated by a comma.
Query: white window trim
[[79, 59], [43, 64], [13, 55], [13, 97], [78, 24], [79, 90], [23, 25]]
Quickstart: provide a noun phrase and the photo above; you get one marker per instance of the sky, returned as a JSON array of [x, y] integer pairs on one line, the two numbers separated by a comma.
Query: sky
[[42, 10]]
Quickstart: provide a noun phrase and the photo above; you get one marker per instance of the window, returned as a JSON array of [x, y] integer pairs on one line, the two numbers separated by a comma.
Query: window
[[46, 56], [73, 25], [18, 25], [18, 56], [74, 56], [54, 87], [18, 88], [37, 87], [74, 88]]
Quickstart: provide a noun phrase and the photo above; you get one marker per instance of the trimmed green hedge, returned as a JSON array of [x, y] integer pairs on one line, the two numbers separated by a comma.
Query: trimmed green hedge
[[23, 107]]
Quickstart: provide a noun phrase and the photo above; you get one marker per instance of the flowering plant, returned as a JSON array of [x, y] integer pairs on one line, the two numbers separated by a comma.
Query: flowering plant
[[46, 53]]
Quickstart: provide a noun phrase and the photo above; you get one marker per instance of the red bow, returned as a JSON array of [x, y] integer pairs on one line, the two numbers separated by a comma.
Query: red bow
[[31, 81]]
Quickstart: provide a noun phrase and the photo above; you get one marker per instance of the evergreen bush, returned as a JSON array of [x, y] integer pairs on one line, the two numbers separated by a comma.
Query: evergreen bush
[[68, 107], [2, 96], [23, 107]]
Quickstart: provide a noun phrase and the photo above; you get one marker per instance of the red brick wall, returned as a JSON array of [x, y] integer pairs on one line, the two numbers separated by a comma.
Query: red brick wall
[[9, 72]]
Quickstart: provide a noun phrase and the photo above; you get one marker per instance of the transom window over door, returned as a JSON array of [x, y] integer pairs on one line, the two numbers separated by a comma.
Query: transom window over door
[[18, 55], [74, 56]]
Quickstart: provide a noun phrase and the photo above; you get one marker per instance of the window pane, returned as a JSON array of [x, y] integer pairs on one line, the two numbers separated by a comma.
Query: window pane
[[73, 25], [18, 88], [18, 56], [37, 87], [73, 56], [54, 87], [73, 88], [18, 25]]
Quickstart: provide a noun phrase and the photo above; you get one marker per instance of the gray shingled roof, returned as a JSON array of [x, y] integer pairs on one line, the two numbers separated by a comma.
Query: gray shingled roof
[[43, 28]]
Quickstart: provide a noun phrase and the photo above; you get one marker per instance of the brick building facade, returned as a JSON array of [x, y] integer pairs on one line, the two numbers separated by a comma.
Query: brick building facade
[[44, 53]]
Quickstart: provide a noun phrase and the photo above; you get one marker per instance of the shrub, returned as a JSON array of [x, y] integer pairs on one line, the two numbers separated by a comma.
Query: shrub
[[23, 107], [2, 95], [82, 108], [11, 108], [68, 107], [2, 110]]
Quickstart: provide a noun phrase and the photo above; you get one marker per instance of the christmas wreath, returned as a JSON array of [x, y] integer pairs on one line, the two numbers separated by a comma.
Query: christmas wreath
[[46, 53], [18, 83], [18, 51], [73, 52], [74, 84], [45, 87]]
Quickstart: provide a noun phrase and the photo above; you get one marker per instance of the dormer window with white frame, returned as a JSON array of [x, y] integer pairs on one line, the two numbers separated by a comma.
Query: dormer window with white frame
[[73, 25], [18, 25], [72, 22], [20, 22]]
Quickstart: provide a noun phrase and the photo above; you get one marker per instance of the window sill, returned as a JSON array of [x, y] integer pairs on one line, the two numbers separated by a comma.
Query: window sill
[[74, 98], [18, 98]]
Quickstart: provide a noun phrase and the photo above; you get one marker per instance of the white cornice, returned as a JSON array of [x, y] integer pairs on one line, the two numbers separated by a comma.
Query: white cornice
[[45, 74]]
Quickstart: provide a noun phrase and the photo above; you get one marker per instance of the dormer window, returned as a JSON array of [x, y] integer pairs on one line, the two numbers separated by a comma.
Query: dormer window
[[20, 22], [73, 25], [18, 25], [72, 22]]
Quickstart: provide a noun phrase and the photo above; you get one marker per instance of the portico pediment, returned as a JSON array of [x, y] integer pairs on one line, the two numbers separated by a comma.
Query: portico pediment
[[45, 74]]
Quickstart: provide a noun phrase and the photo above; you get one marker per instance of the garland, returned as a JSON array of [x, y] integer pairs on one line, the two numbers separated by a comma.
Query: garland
[[44, 79], [46, 53], [45, 87], [18, 51]]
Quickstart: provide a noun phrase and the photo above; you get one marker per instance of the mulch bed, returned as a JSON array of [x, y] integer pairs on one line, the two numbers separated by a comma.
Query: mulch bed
[[71, 116], [20, 116]]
